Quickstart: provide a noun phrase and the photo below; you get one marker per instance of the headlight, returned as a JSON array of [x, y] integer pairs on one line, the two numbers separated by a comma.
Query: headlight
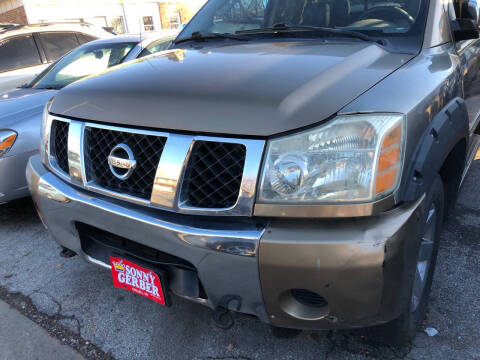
[[7, 139], [44, 137], [353, 158]]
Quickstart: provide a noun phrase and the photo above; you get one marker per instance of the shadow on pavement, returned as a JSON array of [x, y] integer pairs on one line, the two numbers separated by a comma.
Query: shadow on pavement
[[18, 211]]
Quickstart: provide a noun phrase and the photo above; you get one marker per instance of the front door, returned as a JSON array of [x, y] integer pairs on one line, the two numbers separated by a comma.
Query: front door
[[469, 54]]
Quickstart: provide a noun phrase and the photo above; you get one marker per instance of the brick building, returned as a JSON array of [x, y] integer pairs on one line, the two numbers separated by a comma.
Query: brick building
[[125, 16], [12, 11], [173, 13]]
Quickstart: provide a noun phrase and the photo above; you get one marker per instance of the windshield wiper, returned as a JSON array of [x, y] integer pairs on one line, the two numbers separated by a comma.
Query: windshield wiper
[[197, 36], [50, 87], [278, 28]]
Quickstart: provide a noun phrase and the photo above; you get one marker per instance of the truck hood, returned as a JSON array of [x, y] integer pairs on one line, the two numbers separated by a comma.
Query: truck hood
[[19, 104], [256, 89]]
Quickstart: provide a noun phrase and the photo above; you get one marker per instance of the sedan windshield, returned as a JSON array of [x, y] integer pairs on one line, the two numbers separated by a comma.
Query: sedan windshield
[[396, 20], [84, 61]]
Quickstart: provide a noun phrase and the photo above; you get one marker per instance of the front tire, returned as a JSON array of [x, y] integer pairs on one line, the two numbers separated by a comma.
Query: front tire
[[403, 329]]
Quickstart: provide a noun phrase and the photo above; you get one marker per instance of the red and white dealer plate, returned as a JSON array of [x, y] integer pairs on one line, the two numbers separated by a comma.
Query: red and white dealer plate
[[134, 278]]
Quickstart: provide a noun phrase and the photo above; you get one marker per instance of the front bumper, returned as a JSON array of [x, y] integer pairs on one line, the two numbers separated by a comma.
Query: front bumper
[[12, 177], [361, 267]]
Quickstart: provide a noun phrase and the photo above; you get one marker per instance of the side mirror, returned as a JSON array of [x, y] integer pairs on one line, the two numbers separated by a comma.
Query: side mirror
[[465, 29], [98, 54], [470, 10]]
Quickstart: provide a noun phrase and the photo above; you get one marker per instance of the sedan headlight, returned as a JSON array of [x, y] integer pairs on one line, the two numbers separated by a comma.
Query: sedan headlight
[[351, 159], [7, 139]]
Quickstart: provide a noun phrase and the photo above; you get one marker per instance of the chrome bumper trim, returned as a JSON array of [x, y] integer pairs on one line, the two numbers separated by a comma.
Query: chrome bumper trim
[[97, 262], [223, 254], [243, 242]]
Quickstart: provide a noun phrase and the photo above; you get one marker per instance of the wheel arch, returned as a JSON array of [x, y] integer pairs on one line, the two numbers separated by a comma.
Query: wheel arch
[[442, 150]]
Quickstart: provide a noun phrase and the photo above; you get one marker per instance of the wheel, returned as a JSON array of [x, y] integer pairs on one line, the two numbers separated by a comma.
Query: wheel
[[403, 329]]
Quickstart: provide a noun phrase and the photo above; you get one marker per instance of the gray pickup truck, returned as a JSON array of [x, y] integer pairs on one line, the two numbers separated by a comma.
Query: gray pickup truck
[[288, 159]]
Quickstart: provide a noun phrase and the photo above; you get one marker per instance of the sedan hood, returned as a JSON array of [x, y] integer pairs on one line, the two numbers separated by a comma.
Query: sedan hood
[[257, 89], [19, 104]]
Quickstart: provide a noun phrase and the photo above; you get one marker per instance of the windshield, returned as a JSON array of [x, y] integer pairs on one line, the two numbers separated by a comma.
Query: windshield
[[402, 19], [84, 61]]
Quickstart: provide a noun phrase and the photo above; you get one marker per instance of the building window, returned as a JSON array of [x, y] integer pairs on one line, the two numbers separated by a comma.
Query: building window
[[174, 21], [116, 23], [148, 23]]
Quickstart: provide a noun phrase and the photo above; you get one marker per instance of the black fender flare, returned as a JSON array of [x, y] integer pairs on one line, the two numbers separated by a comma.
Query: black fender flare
[[446, 130]]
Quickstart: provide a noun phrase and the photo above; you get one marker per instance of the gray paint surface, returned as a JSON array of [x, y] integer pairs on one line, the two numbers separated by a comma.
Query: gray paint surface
[[20, 110], [239, 89], [131, 327]]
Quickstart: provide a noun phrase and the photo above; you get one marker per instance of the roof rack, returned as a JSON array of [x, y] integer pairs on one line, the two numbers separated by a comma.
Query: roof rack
[[5, 26], [48, 23], [12, 27]]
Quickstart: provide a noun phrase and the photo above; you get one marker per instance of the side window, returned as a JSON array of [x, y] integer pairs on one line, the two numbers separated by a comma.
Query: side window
[[155, 47], [57, 44], [463, 14], [18, 52], [83, 38], [464, 9]]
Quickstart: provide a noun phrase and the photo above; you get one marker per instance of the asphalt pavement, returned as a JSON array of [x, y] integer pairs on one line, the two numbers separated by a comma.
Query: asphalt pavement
[[77, 306], [21, 338]]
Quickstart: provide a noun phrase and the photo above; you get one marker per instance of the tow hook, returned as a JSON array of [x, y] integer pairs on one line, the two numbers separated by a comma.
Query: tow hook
[[67, 253], [221, 315]]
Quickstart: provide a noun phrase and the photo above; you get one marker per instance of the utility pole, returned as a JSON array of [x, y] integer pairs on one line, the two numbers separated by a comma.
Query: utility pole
[[125, 22]]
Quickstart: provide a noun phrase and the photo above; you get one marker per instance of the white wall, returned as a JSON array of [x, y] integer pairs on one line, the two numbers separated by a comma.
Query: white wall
[[93, 11], [135, 13]]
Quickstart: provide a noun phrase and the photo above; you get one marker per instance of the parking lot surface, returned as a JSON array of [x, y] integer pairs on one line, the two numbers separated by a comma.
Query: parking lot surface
[[77, 304]]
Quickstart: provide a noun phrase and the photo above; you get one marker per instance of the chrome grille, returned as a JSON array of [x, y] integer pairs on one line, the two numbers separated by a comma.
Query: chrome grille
[[59, 146], [188, 174], [213, 175], [147, 149]]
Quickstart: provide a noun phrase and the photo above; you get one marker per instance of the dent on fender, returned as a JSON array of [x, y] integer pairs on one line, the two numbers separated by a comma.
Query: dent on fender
[[360, 247]]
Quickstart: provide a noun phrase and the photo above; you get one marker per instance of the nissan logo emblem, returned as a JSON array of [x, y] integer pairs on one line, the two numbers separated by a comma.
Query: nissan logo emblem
[[121, 161]]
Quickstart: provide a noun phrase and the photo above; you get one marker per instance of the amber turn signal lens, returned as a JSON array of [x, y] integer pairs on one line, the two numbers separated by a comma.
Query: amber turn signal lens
[[8, 142], [389, 160], [393, 137], [386, 180]]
